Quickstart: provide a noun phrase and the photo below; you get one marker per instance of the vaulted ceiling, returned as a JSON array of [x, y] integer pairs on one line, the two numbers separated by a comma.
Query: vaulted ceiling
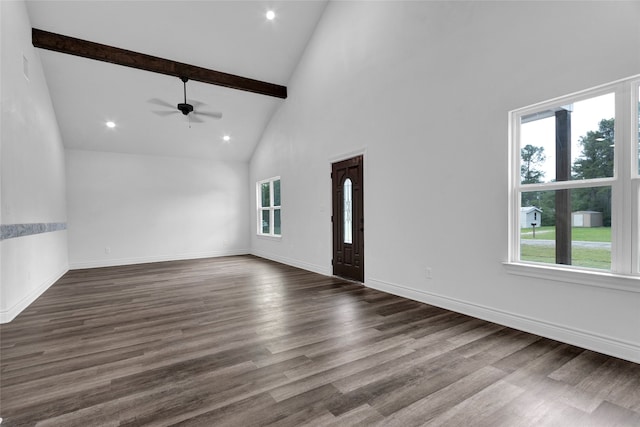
[[228, 36]]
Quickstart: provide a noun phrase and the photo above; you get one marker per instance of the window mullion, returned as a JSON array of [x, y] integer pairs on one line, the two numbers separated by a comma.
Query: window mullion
[[634, 172], [635, 227], [621, 200]]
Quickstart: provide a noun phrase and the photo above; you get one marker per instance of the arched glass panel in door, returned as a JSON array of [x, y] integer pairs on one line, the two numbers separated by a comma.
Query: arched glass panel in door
[[348, 211]]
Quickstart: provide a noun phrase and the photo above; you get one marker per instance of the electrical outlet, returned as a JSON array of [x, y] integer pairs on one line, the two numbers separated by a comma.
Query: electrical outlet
[[429, 273], [107, 250]]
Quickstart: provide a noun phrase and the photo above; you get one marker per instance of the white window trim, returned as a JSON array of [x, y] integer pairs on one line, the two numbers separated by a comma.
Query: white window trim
[[271, 208], [625, 185], [576, 275]]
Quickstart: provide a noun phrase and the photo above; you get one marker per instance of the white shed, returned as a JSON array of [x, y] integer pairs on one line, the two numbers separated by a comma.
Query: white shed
[[586, 219], [530, 215]]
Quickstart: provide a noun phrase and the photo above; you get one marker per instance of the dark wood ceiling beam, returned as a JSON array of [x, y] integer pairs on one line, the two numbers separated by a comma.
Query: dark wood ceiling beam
[[141, 61]]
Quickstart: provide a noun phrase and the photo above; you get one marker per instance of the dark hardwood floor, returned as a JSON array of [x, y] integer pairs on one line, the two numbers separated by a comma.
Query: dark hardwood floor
[[241, 341]]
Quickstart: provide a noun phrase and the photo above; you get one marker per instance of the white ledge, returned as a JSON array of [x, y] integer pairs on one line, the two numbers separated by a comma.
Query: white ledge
[[268, 237], [598, 279]]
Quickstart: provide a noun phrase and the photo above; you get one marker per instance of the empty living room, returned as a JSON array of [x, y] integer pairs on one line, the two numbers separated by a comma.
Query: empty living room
[[319, 213]]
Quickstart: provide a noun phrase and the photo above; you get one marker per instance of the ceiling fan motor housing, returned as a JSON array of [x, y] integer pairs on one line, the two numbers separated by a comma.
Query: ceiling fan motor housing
[[185, 108]]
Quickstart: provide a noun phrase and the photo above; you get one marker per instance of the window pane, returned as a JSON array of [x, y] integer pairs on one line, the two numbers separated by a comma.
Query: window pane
[[571, 142], [590, 230], [276, 222], [537, 227], [537, 160], [264, 195], [265, 222], [347, 214], [591, 227], [276, 192]]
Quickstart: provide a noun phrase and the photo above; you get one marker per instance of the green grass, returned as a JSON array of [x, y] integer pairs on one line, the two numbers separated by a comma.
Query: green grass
[[581, 257], [579, 234]]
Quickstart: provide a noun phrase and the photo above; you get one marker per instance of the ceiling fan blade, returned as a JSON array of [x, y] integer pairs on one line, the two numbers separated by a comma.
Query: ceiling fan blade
[[196, 103], [161, 103], [165, 113], [195, 119], [208, 114]]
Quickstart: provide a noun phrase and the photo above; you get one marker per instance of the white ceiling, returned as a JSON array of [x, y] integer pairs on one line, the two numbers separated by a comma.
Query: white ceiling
[[230, 36]]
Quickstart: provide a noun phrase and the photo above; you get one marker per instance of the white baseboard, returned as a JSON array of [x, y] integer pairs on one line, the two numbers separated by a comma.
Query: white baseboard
[[7, 316], [294, 263], [97, 263], [602, 344]]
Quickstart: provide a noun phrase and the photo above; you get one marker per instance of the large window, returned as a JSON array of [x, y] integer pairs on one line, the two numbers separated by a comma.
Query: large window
[[268, 202], [575, 181]]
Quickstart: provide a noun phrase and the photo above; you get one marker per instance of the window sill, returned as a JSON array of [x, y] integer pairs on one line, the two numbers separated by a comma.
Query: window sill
[[582, 277], [269, 237]]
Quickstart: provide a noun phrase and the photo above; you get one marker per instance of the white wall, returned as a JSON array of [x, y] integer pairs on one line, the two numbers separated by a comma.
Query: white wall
[[32, 173], [423, 89], [150, 208]]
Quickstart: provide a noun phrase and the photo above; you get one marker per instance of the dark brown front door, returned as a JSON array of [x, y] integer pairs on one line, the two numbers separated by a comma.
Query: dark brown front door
[[348, 219]]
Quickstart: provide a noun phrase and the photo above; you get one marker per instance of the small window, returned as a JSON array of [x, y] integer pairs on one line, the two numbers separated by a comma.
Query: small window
[[572, 177], [269, 209]]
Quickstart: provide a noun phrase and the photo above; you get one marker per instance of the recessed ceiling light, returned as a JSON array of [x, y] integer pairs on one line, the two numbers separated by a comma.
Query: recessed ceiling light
[[270, 15], [110, 124], [226, 138]]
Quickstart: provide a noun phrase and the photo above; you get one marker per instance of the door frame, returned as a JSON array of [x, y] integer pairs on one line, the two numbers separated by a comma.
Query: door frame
[[365, 177]]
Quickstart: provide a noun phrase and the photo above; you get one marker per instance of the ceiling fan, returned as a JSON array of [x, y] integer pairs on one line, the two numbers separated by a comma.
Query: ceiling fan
[[185, 108]]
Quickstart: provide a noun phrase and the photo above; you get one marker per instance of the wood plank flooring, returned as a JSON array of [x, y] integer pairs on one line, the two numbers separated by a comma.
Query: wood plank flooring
[[242, 341]]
